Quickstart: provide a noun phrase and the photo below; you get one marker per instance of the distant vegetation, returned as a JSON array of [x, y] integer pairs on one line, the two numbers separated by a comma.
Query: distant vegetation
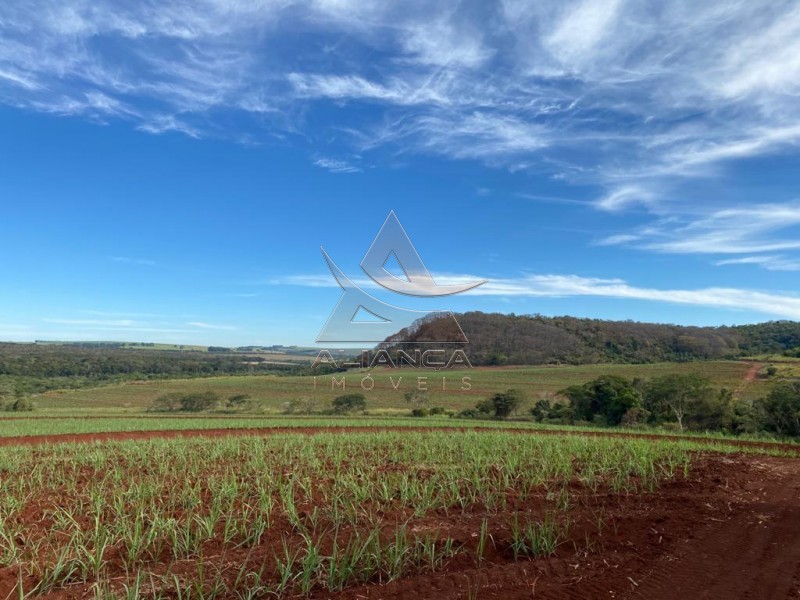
[[35, 368], [198, 402], [499, 339]]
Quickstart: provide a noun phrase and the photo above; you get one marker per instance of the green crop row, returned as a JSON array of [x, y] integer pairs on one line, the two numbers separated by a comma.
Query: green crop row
[[249, 516]]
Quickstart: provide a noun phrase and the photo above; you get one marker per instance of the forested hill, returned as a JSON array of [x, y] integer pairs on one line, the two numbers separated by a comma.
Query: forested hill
[[524, 339]]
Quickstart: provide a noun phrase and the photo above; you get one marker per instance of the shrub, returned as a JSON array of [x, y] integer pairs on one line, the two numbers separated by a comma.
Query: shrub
[[21, 404], [349, 403], [304, 405], [470, 413], [420, 412], [485, 407], [238, 402], [165, 403], [199, 402], [437, 410], [502, 404], [195, 402]]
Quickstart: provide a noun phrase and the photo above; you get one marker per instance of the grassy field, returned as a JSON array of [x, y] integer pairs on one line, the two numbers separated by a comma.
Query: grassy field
[[251, 517], [270, 392]]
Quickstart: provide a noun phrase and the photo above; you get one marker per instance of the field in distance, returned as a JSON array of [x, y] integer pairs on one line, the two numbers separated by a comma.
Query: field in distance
[[269, 393]]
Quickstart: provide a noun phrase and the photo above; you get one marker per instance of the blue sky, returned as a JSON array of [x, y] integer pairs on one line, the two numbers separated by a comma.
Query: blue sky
[[170, 169]]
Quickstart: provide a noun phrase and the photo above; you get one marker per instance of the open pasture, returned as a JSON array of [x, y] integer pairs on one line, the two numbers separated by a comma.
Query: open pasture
[[270, 393]]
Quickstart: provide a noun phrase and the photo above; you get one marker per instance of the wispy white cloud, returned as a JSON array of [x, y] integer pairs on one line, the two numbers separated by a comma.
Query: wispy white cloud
[[489, 136], [91, 328], [580, 28], [335, 165], [320, 281], [624, 197], [93, 322], [353, 87], [564, 286], [203, 325], [769, 262], [619, 239], [127, 314], [552, 199], [779, 305], [757, 228], [16, 78]]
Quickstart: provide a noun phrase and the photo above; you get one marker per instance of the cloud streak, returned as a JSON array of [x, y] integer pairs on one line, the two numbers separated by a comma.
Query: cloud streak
[[335, 165], [565, 286], [203, 325], [767, 227]]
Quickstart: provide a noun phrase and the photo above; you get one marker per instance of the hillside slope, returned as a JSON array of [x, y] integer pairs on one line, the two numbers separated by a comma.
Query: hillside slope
[[497, 339]]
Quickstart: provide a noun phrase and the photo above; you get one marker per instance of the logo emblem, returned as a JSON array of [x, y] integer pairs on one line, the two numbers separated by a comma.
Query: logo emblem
[[343, 324]]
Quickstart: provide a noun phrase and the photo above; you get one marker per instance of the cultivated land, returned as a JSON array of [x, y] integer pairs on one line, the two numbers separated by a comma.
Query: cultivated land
[[270, 392], [99, 499], [395, 514]]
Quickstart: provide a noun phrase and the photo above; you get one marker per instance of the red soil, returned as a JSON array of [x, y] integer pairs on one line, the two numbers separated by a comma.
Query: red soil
[[732, 531], [729, 531], [752, 372]]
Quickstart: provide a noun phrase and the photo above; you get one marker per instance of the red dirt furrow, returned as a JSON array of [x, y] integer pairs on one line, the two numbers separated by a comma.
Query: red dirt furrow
[[732, 532], [748, 554]]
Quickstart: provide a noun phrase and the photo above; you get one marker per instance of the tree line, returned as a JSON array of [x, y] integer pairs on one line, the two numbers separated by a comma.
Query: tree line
[[499, 339], [675, 401], [35, 368]]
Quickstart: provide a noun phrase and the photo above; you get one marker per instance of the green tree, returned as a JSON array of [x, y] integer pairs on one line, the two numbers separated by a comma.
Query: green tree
[[678, 395], [541, 409], [781, 408], [506, 403], [634, 417], [609, 395], [711, 411], [349, 403]]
